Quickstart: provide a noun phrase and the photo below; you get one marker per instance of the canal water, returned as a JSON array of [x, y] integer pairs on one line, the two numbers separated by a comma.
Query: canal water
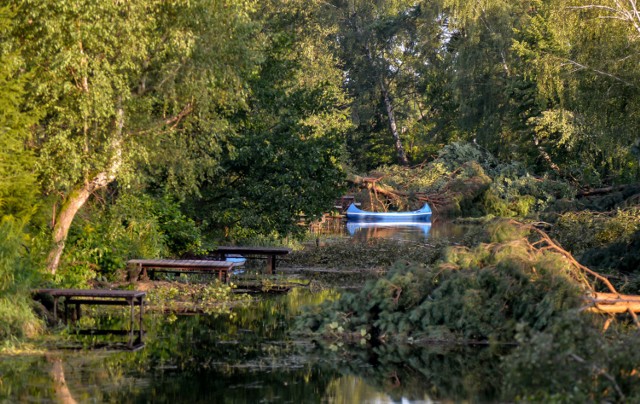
[[248, 358], [251, 357]]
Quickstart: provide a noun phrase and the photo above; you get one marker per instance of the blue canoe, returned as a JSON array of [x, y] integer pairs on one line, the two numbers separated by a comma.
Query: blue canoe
[[357, 215]]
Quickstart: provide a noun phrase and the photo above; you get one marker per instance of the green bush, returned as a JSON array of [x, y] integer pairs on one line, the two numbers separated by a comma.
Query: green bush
[[135, 226], [17, 319]]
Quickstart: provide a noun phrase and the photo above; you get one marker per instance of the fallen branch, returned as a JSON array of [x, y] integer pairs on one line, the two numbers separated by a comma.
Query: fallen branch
[[613, 303], [553, 246]]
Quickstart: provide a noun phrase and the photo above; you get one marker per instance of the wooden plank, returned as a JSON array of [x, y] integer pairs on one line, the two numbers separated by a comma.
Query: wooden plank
[[252, 250], [270, 253], [73, 300], [104, 293], [181, 263]]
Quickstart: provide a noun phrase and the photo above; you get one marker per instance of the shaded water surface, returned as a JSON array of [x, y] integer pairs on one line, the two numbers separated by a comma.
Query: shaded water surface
[[248, 358], [416, 232], [252, 357]]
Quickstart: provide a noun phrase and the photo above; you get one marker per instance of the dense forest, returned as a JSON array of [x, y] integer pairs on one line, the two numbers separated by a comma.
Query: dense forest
[[152, 128]]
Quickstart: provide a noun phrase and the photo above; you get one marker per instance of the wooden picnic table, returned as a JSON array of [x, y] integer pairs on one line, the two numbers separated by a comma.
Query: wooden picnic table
[[270, 253], [76, 297], [221, 268]]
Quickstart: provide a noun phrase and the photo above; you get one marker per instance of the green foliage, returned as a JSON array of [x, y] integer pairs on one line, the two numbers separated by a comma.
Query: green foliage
[[514, 192], [488, 293], [469, 181], [118, 86], [18, 185], [584, 230], [383, 48], [573, 361], [135, 226], [18, 191], [16, 273], [455, 155], [426, 178], [285, 158], [181, 235], [587, 131]]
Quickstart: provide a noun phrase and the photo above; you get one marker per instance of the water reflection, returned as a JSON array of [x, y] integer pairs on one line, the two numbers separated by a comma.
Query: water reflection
[[248, 358], [410, 231]]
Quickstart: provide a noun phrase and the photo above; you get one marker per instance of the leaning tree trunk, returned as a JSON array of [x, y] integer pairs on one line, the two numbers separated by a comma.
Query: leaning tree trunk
[[402, 156], [79, 196], [64, 218]]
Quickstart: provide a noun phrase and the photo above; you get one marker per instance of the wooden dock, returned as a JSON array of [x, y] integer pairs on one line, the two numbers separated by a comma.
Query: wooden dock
[[105, 297], [221, 268], [270, 253]]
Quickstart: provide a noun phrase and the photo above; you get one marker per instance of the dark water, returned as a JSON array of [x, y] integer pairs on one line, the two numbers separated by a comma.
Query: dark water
[[251, 357], [416, 232], [248, 358]]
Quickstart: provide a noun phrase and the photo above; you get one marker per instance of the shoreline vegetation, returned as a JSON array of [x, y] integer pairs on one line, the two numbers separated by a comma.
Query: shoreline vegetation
[[165, 129]]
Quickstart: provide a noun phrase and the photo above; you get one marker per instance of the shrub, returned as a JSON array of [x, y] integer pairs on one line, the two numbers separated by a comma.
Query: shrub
[[16, 270]]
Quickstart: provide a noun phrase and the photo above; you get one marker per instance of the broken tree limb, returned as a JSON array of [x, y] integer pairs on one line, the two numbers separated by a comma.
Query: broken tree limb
[[613, 303], [553, 246], [374, 185]]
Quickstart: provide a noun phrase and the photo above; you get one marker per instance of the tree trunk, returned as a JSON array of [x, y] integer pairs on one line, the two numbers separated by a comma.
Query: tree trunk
[[67, 212], [402, 156], [71, 206], [81, 194]]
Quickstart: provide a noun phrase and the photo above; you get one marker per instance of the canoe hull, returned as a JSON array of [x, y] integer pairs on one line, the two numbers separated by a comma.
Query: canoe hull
[[357, 215]]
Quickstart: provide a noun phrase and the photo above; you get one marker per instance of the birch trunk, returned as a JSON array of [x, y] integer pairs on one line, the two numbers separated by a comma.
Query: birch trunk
[[402, 156], [79, 196], [65, 216]]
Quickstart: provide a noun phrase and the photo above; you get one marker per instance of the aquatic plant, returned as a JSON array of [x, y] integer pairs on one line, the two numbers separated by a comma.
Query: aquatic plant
[[210, 298], [375, 253]]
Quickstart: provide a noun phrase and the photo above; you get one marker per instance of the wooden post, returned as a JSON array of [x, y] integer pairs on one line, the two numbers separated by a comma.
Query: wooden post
[[55, 309], [271, 264], [141, 312], [132, 322]]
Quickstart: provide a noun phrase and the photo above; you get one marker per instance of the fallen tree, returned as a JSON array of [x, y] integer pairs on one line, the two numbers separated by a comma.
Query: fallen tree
[[518, 279]]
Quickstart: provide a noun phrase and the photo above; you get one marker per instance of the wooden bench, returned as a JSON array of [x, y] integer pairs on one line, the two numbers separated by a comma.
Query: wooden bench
[[270, 253], [76, 297], [221, 268]]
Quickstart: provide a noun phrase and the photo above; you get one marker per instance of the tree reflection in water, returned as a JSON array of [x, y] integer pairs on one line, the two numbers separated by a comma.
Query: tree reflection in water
[[248, 358]]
